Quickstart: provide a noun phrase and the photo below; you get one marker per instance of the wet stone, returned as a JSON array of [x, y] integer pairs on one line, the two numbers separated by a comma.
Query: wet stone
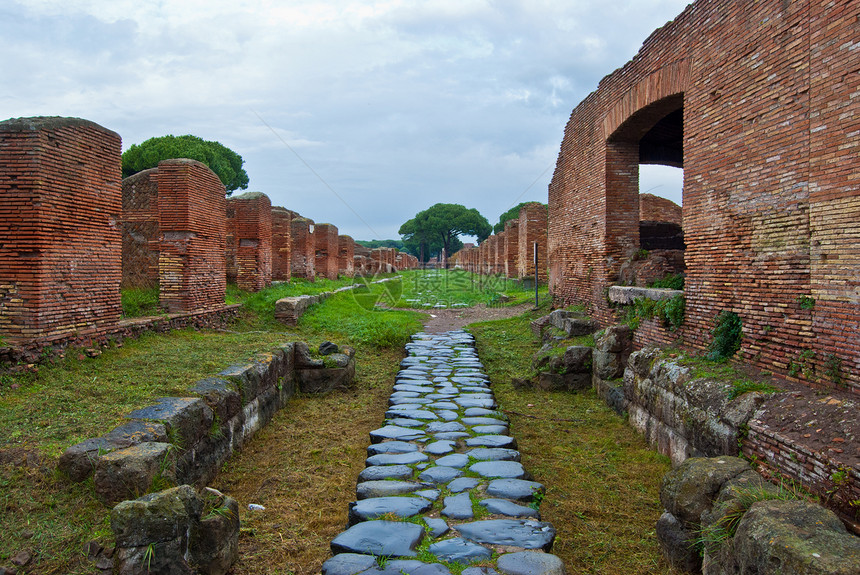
[[440, 447], [460, 550], [379, 472], [462, 484], [394, 432], [494, 454], [389, 538], [458, 507], [457, 460], [527, 534], [530, 563], [371, 508], [381, 488], [396, 459], [439, 474], [438, 527], [516, 489], [509, 508], [492, 441], [391, 447]]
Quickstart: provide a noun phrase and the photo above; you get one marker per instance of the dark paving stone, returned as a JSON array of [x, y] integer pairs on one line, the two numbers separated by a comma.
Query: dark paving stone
[[459, 550], [492, 441], [431, 494], [412, 401], [457, 460], [379, 472], [438, 396], [396, 459], [481, 412], [490, 429], [389, 538], [528, 534], [382, 488], [371, 508], [391, 447], [529, 563], [348, 564], [462, 484], [438, 527], [413, 387], [439, 474], [509, 508], [499, 469], [483, 421], [452, 435], [394, 432], [443, 405], [400, 422], [447, 415], [475, 388], [442, 427], [479, 571], [469, 402], [400, 566], [403, 395], [440, 447], [494, 454], [516, 489], [422, 414], [458, 507]]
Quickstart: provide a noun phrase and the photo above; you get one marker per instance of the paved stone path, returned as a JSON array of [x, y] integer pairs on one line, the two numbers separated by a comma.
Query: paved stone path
[[443, 480]]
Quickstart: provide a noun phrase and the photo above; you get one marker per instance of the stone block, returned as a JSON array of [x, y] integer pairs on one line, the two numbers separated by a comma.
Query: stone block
[[247, 377], [79, 461], [689, 490], [678, 544], [626, 294], [128, 472], [221, 397], [187, 418]]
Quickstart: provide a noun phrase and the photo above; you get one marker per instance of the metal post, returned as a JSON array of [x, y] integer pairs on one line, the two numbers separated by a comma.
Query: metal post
[[536, 275]]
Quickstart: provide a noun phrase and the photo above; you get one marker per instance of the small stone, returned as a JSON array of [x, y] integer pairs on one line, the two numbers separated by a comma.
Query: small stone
[[462, 484], [21, 558], [438, 527], [440, 447], [328, 348], [458, 507]]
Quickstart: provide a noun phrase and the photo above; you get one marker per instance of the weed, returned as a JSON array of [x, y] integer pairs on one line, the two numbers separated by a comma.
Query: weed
[[537, 499], [215, 430], [671, 281], [727, 333], [805, 302], [138, 302], [670, 311], [742, 386], [148, 555], [833, 369], [804, 364]]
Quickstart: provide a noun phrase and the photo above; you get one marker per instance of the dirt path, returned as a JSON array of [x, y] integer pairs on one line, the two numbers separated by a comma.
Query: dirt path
[[442, 320]]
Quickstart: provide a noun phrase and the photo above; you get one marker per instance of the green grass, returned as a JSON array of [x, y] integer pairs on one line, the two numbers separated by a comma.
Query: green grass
[[602, 479], [140, 302], [739, 381], [424, 289]]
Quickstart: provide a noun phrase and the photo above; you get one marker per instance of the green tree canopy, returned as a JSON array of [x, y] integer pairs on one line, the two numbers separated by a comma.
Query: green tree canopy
[[439, 227], [226, 163], [511, 214], [374, 244]]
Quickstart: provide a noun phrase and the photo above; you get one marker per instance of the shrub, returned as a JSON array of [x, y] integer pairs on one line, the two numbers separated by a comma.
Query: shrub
[[727, 333]]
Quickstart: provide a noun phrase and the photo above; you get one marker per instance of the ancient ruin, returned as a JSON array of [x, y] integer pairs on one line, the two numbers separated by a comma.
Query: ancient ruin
[[249, 240], [326, 251]]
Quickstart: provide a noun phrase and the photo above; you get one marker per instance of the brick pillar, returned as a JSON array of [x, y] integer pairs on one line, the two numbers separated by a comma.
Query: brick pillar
[[302, 251], [533, 228], [249, 218], [141, 234], [512, 248], [191, 213], [281, 245], [346, 255], [60, 242], [326, 250]]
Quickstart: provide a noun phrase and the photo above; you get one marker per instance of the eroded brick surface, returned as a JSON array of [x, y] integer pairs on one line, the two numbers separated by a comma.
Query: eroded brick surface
[[326, 251], [140, 230], [302, 253], [532, 230], [249, 240], [346, 255], [281, 243]]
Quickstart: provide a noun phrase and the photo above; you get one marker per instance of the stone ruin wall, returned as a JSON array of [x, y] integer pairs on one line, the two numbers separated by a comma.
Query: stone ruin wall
[[656, 209], [771, 210], [326, 251], [60, 240], [303, 255], [532, 229], [192, 261], [281, 244], [140, 230], [512, 247], [249, 240], [346, 256]]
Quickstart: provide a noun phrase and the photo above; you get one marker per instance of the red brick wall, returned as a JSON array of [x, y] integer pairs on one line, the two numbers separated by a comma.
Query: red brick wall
[[770, 208], [656, 209], [346, 255], [512, 248], [140, 230], [60, 239], [191, 209], [326, 251], [281, 244], [533, 229], [302, 252], [249, 224]]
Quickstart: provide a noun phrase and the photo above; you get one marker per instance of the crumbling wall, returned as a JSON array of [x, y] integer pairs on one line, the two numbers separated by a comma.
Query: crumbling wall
[[326, 251], [770, 205], [281, 244], [140, 230], [346, 255], [249, 220], [302, 252], [60, 240], [532, 230], [512, 248], [191, 261]]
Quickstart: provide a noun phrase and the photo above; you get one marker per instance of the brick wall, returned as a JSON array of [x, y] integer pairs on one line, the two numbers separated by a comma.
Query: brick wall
[[140, 230], [281, 244], [249, 224], [532, 229], [770, 206], [346, 255], [326, 251], [656, 209], [191, 263], [512, 248], [60, 239], [302, 252]]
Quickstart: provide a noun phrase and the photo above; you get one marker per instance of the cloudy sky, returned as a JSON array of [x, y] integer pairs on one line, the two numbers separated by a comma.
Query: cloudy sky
[[358, 113]]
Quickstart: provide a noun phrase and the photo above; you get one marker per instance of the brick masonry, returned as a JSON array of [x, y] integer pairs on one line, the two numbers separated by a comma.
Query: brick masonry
[[249, 240], [326, 251], [346, 255], [281, 243], [512, 248], [532, 230], [191, 263], [302, 252], [656, 209], [762, 93], [140, 230], [60, 239]]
